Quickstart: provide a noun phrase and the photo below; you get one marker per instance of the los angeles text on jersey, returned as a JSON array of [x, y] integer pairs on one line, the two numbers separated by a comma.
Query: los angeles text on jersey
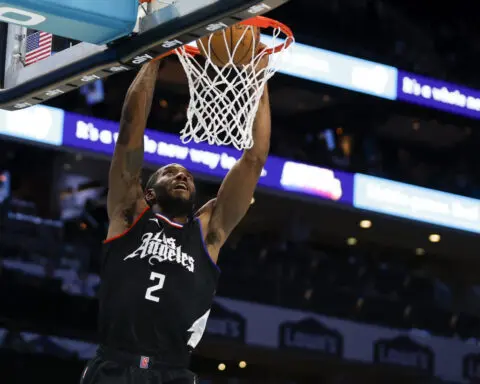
[[158, 247]]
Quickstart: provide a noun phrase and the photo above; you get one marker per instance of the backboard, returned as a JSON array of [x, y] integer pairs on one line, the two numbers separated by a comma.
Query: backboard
[[161, 26]]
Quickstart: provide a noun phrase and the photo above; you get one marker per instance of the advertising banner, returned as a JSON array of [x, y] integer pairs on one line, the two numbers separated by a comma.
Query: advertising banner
[[471, 367], [39, 124], [336, 69], [402, 350], [99, 136], [225, 324], [310, 334], [438, 94], [416, 203], [53, 126], [446, 358]]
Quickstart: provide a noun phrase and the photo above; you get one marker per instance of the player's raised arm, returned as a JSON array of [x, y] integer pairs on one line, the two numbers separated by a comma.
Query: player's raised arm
[[124, 188], [236, 192]]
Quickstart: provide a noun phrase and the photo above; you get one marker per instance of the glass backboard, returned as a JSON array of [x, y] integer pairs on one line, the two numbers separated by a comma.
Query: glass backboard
[[161, 26]]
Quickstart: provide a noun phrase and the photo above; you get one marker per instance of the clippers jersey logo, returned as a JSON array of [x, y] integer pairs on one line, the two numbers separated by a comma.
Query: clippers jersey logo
[[157, 247]]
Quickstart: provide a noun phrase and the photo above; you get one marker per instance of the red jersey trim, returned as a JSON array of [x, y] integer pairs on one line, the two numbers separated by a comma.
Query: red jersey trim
[[172, 223], [128, 229]]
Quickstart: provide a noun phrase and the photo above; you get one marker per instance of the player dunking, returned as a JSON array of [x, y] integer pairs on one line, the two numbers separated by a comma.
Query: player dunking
[[158, 265]]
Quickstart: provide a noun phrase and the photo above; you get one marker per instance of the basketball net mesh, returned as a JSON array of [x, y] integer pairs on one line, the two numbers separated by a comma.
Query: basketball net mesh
[[224, 100]]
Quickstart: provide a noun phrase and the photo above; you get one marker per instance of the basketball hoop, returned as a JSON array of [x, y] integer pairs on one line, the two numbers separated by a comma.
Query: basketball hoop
[[224, 100]]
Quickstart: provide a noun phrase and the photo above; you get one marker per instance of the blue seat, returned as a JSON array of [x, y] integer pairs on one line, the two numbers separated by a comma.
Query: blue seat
[[93, 21]]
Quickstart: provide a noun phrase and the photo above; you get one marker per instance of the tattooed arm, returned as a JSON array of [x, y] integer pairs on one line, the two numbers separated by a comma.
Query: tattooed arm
[[125, 197]]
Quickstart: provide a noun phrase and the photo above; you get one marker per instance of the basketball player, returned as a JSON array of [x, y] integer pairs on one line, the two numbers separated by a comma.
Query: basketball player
[[158, 269]]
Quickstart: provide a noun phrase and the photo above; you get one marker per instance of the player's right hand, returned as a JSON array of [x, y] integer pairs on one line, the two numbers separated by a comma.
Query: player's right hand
[[263, 60]]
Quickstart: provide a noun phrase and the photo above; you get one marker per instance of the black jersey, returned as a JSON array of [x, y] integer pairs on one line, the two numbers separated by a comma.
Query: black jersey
[[158, 283]]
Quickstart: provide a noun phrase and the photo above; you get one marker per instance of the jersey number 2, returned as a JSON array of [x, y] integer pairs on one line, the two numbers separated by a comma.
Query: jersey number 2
[[161, 279]]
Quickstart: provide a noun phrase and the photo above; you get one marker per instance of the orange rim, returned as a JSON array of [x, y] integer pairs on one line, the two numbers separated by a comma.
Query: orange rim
[[257, 21], [266, 22]]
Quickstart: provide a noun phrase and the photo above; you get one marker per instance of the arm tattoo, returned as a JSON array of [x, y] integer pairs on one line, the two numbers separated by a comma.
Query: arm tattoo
[[125, 171], [134, 117], [134, 161], [137, 105]]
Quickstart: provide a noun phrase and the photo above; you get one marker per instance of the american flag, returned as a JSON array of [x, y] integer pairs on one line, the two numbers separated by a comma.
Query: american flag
[[39, 47]]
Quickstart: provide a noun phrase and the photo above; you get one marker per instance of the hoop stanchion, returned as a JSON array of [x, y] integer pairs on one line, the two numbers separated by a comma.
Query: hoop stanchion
[[224, 100]]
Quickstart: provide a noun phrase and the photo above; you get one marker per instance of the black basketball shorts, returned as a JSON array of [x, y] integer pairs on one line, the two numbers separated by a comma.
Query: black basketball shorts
[[114, 367]]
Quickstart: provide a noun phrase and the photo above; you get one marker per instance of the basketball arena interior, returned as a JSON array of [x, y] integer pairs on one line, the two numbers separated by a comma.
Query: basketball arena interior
[[358, 260]]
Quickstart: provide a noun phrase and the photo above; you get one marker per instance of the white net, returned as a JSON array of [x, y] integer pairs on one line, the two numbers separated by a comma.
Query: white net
[[224, 100]]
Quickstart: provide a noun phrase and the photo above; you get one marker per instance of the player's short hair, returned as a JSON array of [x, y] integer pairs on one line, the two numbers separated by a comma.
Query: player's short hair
[[152, 179], [151, 183]]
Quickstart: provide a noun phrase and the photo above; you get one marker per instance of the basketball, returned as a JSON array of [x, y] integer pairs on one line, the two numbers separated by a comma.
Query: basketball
[[241, 39]]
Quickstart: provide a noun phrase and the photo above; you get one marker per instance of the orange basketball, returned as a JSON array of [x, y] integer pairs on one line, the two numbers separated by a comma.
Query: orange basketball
[[243, 39]]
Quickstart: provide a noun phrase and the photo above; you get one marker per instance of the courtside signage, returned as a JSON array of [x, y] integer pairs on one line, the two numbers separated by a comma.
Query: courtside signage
[[266, 326], [416, 203], [40, 124], [98, 135]]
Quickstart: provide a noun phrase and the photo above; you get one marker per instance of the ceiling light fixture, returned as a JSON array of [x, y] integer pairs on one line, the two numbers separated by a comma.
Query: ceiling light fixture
[[365, 224]]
